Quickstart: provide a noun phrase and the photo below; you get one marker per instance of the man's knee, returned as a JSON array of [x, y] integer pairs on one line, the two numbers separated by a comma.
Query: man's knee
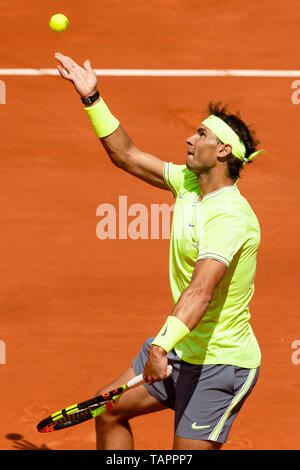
[[108, 417], [135, 402]]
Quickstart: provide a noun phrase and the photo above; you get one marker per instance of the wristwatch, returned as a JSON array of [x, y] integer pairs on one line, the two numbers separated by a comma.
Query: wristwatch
[[90, 99]]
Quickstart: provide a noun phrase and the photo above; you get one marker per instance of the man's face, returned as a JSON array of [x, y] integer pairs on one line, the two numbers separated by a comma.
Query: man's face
[[202, 150]]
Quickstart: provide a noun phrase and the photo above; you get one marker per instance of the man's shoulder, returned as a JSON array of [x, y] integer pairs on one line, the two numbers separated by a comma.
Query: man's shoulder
[[181, 178], [182, 169], [230, 205]]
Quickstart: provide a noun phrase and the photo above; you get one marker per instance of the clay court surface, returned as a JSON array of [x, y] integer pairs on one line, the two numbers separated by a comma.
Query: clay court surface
[[75, 309]]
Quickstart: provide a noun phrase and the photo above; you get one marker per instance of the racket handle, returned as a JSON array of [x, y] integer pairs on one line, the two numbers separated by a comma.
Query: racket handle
[[139, 379]]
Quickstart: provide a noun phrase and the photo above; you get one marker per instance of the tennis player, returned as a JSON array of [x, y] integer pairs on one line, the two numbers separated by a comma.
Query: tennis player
[[207, 337]]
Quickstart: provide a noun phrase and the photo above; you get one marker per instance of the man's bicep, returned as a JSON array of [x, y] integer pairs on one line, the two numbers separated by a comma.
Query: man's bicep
[[220, 238], [195, 299], [147, 167], [127, 156], [208, 273]]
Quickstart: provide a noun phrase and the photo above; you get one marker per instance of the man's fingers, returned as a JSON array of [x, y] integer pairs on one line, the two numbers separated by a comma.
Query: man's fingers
[[64, 58], [65, 64], [83, 78], [66, 61], [87, 66], [71, 61], [61, 58], [63, 72]]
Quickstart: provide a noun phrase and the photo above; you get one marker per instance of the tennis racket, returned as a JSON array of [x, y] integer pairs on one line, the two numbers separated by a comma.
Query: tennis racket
[[88, 409]]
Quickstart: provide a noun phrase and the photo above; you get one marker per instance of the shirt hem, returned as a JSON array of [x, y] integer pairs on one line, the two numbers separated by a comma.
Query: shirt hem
[[216, 362]]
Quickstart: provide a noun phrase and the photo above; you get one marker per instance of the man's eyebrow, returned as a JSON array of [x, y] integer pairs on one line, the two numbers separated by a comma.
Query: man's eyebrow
[[201, 129]]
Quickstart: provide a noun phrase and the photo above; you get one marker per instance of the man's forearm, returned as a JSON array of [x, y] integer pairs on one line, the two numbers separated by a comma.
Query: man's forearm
[[117, 144], [185, 316], [192, 305], [120, 148]]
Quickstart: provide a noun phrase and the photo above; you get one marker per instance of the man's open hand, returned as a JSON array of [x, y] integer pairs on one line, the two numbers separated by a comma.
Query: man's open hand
[[83, 78]]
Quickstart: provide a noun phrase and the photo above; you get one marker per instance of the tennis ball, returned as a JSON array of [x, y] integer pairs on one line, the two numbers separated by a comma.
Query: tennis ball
[[59, 23]]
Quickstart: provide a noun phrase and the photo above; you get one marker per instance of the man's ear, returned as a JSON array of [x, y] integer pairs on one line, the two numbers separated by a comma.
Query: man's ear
[[224, 152]]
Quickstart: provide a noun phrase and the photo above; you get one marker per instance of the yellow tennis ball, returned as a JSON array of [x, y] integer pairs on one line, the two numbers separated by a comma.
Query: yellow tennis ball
[[59, 23]]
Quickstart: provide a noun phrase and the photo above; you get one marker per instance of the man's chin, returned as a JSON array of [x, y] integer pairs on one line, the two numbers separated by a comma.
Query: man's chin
[[189, 164]]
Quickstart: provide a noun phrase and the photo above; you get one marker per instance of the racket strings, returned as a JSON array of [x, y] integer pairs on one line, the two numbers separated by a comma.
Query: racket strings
[[74, 418]]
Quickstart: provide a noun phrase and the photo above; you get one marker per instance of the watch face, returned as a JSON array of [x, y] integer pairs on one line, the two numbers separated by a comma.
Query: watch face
[[91, 99], [86, 100]]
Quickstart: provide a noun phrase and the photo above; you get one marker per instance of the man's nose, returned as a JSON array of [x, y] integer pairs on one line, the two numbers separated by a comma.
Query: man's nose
[[190, 140]]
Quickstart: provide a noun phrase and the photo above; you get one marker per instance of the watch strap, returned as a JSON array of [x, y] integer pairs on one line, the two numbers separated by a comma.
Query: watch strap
[[91, 99]]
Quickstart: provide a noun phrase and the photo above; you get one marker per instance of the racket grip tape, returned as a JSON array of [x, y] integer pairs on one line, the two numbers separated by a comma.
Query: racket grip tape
[[139, 379]]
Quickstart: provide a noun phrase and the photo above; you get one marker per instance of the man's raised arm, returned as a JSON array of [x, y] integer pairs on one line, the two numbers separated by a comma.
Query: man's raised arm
[[117, 143]]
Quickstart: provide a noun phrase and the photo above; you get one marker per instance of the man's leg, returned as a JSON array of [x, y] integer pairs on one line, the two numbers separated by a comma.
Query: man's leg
[[208, 399], [193, 444], [113, 431]]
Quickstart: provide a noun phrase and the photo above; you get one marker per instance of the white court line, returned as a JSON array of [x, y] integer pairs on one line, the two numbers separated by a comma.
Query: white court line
[[162, 73]]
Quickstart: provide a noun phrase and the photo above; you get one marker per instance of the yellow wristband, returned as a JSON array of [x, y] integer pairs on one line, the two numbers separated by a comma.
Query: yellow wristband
[[103, 122], [173, 331]]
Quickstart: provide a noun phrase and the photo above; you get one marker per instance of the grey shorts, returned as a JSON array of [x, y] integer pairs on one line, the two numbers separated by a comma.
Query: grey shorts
[[206, 398]]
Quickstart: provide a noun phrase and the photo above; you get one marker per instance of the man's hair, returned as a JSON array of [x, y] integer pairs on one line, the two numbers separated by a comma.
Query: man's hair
[[246, 135]]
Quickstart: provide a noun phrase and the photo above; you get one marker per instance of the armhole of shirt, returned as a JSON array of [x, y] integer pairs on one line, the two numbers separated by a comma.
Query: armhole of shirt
[[166, 175]]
